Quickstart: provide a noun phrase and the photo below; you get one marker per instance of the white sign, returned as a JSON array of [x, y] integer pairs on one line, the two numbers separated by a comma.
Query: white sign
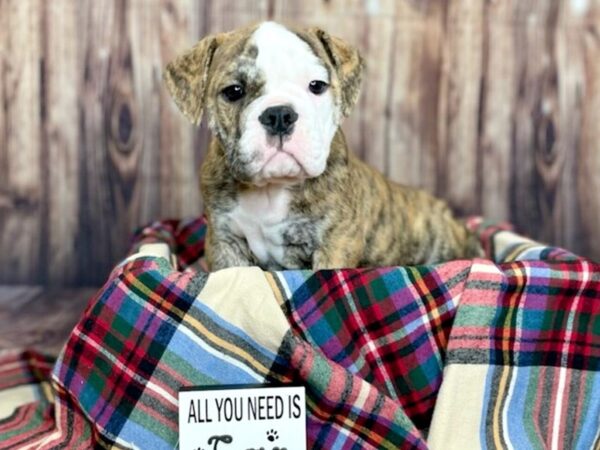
[[242, 418]]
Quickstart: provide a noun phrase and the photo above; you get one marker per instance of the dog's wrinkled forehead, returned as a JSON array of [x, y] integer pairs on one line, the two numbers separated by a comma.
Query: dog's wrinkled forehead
[[269, 57], [283, 57]]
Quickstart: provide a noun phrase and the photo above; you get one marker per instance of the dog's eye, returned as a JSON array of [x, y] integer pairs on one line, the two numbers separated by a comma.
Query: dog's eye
[[317, 87], [234, 92]]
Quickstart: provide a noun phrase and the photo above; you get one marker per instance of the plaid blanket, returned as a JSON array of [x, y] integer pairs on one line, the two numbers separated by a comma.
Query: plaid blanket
[[493, 353]]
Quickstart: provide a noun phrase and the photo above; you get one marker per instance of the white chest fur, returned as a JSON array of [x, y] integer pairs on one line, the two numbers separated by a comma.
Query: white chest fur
[[260, 217]]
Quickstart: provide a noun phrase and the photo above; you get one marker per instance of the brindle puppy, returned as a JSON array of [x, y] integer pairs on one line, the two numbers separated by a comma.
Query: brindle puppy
[[280, 188]]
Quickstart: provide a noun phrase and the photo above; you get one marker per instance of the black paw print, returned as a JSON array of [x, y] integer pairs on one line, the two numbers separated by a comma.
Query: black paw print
[[272, 435]]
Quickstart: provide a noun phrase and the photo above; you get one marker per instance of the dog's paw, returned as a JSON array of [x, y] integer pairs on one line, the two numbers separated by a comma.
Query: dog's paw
[[272, 435]]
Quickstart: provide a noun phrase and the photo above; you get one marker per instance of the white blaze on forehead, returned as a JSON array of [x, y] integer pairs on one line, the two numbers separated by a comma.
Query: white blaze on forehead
[[283, 57]]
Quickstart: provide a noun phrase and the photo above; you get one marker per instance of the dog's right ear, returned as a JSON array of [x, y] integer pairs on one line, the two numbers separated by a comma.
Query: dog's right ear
[[346, 62], [187, 77]]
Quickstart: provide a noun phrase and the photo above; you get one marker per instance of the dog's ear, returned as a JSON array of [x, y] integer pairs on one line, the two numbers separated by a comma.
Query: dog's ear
[[187, 77], [347, 63]]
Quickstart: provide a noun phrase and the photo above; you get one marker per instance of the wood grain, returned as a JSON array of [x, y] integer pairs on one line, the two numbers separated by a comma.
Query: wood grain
[[414, 94], [588, 166], [107, 167], [458, 115], [492, 105], [60, 142], [498, 96], [20, 144], [40, 317]]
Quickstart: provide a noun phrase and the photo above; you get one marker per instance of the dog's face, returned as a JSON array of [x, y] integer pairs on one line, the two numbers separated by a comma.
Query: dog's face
[[274, 97]]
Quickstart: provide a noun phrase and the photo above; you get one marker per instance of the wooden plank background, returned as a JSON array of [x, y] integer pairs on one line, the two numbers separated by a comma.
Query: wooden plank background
[[494, 105]]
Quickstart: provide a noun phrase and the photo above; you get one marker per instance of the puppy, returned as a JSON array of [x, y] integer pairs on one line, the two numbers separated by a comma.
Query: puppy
[[280, 187]]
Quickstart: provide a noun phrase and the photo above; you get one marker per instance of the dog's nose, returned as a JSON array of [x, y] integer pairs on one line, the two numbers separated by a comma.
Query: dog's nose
[[278, 120]]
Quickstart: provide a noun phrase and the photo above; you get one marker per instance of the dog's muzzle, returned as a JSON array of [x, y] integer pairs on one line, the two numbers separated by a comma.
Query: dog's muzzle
[[278, 120]]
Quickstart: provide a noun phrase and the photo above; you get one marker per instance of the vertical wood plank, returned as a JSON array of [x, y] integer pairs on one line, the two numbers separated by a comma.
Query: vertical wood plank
[[497, 103], [537, 157], [142, 106], [588, 173], [124, 121], [60, 140], [179, 196], [21, 185], [565, 212], [101, 226], [413, 141], [5, 201], [459, 104]]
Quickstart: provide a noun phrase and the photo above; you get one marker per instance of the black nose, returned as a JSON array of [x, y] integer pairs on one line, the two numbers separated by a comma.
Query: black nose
[[278, 120]]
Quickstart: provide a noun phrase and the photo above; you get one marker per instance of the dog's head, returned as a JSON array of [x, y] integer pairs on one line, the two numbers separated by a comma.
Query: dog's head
[[274, 97]]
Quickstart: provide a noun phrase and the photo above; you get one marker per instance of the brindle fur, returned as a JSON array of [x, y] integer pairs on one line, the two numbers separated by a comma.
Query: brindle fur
[[349, 216]]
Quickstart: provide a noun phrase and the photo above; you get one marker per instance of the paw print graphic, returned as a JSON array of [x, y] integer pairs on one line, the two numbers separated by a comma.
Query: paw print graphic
[[272, 435]]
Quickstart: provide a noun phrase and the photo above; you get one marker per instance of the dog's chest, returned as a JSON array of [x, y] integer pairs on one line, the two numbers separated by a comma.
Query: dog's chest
[[261, 216]]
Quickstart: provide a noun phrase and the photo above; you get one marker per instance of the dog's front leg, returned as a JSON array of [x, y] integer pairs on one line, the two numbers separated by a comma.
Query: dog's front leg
[[225, 249]]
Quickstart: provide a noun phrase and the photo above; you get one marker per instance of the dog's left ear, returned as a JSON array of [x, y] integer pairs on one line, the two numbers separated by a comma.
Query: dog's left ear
[[187, 77], [347, 64]]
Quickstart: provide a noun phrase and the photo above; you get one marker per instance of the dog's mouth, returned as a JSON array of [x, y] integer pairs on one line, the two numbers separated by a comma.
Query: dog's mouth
[[282, 168]]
